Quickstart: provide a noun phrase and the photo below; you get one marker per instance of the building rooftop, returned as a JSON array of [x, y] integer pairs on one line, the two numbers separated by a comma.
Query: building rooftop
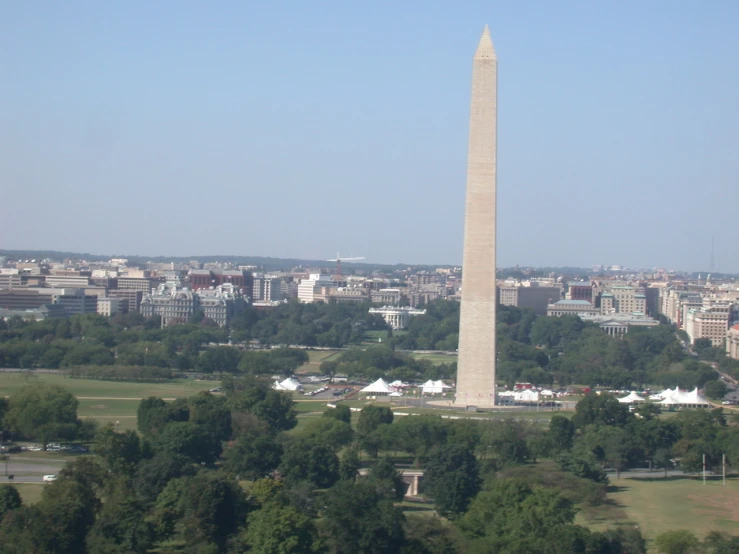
[[573, 303]]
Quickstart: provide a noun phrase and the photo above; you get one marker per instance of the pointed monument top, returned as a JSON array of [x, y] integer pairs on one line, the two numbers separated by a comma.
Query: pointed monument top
[[485, 46]]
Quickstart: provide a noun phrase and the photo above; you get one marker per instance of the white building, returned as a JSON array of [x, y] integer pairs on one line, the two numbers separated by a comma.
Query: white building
[[618, 325], [732, 342], [709, 322], [397, 317], [313, 286], [108, 306]]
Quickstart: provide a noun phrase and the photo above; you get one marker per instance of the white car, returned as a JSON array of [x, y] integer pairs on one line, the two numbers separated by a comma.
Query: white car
[[49, 478]]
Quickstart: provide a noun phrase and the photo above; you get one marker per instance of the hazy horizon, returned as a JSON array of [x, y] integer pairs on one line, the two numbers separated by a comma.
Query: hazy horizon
[[296, 131]]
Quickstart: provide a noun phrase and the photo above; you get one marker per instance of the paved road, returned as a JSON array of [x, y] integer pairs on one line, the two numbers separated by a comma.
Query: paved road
[[30, 469]]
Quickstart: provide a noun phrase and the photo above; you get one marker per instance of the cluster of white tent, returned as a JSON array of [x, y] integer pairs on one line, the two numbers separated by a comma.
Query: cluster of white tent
[[381, 387], [670, 397], [434, 387], [396, 388], [528, 395]]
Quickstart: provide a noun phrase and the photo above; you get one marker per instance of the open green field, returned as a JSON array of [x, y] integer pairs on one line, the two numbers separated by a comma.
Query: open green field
[[98, 389], [107, 401], [30, 492], [315, 359], [657, 505], [436, 359]]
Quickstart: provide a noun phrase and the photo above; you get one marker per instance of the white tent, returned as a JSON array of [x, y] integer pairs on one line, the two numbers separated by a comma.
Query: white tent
[[378, 387], [631, 398], [398, 385], [434, 387], [692, 398], [526, 395], [664, 394], [288, 384], [669, 401]]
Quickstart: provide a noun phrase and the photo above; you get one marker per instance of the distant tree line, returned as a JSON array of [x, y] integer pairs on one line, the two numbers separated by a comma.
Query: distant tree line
[[232, 473], [540, 350]]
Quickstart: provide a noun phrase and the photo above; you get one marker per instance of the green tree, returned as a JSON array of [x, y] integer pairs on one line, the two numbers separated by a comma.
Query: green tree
[[602, 409], [208, 506], [120, 451], [152, 475], [510, 510], [278, 529], [387, 479], [677, 542], [42, 412], [212, 412], [371, 417], [275, 408], [306, 460], [253, 455], [10, 499], [190, 440], [342, 412], [332, 432], [561, 433], [218, 359], [452, 479], [122, 526], [360, 520], [149, 414], [67, 512], [715, 390]]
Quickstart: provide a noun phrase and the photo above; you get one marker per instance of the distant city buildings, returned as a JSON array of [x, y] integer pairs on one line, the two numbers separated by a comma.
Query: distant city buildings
[[534, 294], [177, 305]]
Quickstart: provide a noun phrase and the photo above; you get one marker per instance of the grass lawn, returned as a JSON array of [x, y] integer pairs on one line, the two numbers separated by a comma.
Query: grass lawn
[[658, 505], [315, 359], [109, 408], [30, 492], [305, 406], [93, 388], [436, 359]]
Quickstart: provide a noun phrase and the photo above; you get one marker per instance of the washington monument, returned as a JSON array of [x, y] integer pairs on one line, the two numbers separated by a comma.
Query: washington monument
[[476, 364]]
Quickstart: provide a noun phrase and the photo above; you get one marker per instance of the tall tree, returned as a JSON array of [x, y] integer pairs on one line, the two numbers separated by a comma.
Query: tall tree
[[452, 479], [42, 412], [358, 519]]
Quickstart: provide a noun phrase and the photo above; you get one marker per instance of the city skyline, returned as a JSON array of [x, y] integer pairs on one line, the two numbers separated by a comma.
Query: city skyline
[[314, 131]]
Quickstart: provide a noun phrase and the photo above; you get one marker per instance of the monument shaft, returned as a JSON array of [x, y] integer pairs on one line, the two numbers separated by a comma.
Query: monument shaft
[[476, 364]]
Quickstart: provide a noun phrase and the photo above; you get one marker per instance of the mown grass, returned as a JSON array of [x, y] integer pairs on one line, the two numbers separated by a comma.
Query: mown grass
[[315, 359], [30, 492], [11, 382], [436, 359], [659, 504]]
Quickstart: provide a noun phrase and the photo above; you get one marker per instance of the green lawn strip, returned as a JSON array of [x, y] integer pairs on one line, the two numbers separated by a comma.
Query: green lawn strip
[[110, 408], [660, 504], [11, 382], [125, 423], [436, 359], [315, 359], [307, 406], [30, 492]]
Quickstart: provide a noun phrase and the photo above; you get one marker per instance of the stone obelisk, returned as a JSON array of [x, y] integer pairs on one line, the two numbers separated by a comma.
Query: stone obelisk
[[476, 364]]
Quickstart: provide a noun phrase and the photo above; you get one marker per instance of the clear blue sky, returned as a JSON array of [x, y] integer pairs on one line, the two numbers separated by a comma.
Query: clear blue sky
[[294, 128]]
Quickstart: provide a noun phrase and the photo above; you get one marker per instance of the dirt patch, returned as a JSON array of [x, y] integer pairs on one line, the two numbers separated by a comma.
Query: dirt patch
[[719, 506]]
